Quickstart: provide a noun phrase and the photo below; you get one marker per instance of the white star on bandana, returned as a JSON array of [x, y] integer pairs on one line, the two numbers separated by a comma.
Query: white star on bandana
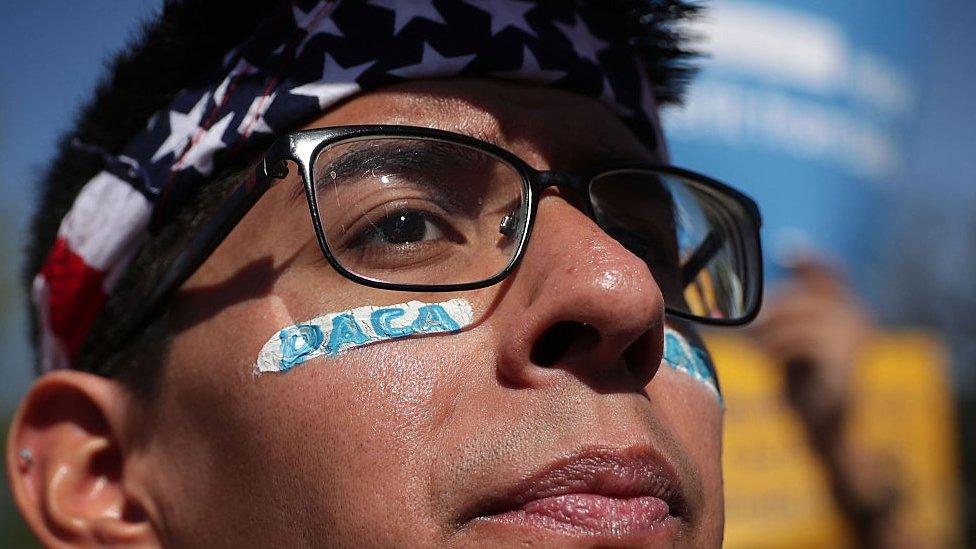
[[200, 155], [583, 41], [405, 11], [336, 82], [304, 19], [181, 128], [254, 118], [241, 68], [432, 62], [511, 14]]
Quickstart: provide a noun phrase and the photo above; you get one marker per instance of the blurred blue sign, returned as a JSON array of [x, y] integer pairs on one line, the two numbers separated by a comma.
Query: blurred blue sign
[[807, 107]]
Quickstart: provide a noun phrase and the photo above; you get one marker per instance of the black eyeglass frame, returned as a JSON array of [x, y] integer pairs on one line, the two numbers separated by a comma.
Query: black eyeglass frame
[[304, 146]]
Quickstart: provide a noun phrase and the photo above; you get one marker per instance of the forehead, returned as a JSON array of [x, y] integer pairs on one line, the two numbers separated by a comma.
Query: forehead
[[547, 126]]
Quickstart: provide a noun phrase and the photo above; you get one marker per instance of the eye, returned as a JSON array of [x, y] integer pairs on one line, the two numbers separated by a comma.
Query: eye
[[400, 227]]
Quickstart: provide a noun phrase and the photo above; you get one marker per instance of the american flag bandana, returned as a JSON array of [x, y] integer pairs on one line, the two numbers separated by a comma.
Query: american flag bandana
[[305, 57]]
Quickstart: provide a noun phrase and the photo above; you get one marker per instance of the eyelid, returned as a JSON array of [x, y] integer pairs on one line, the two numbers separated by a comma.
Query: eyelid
[[362, 219], [434, 220]]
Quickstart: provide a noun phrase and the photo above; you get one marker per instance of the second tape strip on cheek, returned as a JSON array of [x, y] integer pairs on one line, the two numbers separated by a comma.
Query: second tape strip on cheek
[[331, 334], [688, 359]]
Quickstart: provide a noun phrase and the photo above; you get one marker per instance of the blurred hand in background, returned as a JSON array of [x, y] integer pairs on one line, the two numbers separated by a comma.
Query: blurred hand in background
[[816, 328]]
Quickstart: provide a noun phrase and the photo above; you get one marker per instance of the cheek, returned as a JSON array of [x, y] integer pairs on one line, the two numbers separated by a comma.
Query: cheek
[[688, 389], [395, 394], [695, 418], [692, 410], [374, 413], [298, 438]]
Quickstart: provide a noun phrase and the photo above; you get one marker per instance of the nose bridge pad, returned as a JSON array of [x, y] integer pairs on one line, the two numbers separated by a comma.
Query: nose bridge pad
[[508, 225]]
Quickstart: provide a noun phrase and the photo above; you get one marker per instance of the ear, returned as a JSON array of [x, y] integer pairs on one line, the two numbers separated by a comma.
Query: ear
[[67, 463]]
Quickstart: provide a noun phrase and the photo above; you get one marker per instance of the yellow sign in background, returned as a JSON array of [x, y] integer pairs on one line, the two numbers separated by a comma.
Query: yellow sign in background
[[776, 492]]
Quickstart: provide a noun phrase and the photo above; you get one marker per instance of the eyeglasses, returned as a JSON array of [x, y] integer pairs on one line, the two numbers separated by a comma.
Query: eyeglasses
[[417, 209]]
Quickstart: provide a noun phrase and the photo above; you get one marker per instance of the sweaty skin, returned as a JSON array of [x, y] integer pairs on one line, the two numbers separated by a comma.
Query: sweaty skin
[[462, 439]]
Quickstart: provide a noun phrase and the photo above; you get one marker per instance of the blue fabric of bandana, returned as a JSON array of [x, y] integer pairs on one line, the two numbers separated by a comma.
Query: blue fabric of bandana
[[309, 55]]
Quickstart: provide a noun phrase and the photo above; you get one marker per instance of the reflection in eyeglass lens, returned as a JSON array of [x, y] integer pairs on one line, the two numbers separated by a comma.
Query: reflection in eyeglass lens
[[687, 238], [710, 259], [637, 210]]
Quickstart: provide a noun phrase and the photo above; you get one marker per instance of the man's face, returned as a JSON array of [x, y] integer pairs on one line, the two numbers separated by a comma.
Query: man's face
[[547, 420]]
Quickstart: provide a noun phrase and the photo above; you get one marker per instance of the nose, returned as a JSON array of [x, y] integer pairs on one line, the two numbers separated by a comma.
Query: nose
[[579, 303]]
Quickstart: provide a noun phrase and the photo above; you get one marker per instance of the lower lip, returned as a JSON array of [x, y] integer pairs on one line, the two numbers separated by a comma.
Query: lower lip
[[593, 514]]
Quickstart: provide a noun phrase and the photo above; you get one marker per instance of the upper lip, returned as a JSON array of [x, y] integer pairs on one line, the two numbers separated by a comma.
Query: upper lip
[[636, 471]]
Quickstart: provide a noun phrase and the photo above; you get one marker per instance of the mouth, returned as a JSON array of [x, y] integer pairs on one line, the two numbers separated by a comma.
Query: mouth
[[603, 493]]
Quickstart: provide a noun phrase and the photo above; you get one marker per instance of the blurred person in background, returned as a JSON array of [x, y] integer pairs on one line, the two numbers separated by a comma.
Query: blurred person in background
[[816, 328], [830, 113]]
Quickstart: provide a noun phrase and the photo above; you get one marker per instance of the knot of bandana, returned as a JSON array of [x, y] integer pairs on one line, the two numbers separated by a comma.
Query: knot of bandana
[[305, 57]]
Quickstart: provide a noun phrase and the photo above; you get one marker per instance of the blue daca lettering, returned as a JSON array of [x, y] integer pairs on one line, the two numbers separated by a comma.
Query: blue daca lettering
[[678, 355], [433, 318], [381, 320], [708, 367], [674, 351], [302, 340], [297, 342], [345, 332]]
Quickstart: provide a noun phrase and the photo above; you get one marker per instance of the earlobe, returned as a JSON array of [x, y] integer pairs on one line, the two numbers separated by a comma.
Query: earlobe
[[66, 459]]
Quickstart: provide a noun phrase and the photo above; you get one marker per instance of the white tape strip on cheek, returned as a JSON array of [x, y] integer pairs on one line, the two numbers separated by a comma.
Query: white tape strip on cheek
[[331, 334], [684, 357]]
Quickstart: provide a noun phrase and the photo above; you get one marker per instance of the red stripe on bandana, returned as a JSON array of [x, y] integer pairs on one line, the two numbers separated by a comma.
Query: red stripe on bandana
[[76, 295]]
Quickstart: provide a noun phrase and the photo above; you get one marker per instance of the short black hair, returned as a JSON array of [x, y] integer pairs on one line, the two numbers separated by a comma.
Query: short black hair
[[186, 41]]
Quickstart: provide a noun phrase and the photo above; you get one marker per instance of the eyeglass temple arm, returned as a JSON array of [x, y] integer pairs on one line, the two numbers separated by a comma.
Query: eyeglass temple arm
[[216, 229], [210, 235], [276, 168], [273, 164], [701, 256]]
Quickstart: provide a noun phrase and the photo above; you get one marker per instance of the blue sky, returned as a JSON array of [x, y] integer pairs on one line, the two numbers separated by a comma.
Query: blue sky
[[51, 56], [52, 53]]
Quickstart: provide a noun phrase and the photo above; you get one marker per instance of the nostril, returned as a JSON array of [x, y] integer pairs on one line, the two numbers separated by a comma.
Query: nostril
[[642, 357], [561, 339]]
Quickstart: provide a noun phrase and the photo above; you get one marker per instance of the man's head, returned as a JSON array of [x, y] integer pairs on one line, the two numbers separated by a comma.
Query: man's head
[[544, 418]]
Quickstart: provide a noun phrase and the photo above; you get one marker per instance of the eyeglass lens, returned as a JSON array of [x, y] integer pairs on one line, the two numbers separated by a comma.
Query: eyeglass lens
[[419, 211], [695, 240]]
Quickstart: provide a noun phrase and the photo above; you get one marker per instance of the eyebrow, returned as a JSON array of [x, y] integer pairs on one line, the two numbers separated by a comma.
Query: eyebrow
[[366, 156], [403, 156], [414, 155], [411, 155]]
